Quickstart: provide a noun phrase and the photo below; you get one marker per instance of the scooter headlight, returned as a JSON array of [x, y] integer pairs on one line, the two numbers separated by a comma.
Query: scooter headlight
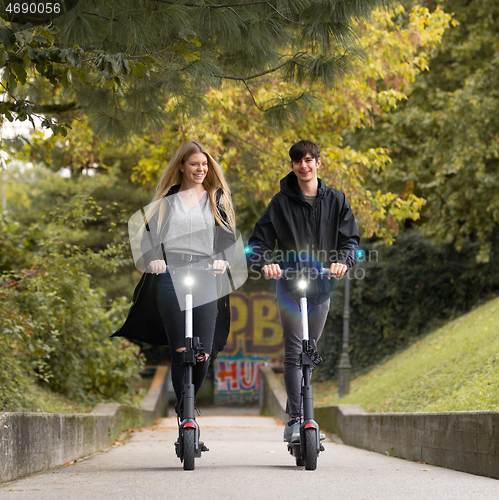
[[302, 284], [189, 281]]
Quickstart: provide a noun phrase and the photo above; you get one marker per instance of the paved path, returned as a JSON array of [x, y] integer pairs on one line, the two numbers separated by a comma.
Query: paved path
[[247, 460]]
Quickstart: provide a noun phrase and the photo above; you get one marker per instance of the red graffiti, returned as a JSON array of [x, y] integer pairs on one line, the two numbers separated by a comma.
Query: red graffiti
[[240, 375], [226, 376]]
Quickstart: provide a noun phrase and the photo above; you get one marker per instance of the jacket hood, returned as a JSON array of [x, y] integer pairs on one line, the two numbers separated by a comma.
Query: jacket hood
[[290, 187]]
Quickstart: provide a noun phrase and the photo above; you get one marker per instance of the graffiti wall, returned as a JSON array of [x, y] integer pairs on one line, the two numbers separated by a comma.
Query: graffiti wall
[[237, 379], [255, 339], [255, 326]]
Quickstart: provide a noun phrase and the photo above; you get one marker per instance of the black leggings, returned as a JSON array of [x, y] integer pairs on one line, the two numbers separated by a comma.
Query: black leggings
[[203, 323]]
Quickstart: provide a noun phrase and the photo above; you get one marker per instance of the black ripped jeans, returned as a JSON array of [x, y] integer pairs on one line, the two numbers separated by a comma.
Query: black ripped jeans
[[203, 322]]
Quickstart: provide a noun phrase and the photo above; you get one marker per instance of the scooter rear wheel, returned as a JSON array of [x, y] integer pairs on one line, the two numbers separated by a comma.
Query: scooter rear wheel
[[189, 448], [310, 449]]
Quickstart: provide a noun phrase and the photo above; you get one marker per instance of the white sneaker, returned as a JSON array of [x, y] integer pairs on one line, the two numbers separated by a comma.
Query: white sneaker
[[292, 431]]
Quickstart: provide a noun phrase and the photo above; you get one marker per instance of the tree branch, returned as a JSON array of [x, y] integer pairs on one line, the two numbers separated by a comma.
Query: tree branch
[[273, 70], [214, 6], [253, 146], [232, 6], [253, 97]]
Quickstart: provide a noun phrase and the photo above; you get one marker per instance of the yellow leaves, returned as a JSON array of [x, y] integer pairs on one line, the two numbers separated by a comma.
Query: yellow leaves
[[388, 99], [398, 10], [255, 157]]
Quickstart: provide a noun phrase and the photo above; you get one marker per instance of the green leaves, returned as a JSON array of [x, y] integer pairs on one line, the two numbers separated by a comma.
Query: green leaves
[[288, 108], [53, 324], [7, 38], [185, 49], [403, 291], [443, 137], [5, 112], [71, 56], [138, 69], [131, 61], [186, 45], [57, 128]]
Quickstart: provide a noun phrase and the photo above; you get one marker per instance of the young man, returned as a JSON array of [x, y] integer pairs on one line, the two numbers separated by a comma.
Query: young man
[[313, 226]]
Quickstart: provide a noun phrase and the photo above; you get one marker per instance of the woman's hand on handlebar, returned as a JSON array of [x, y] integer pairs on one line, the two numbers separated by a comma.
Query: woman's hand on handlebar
[[337, 270], [272, 271], [158, 266], [220, 264]]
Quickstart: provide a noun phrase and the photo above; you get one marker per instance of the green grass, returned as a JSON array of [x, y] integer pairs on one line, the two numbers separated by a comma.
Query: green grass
[[48, 401], [455, 368]]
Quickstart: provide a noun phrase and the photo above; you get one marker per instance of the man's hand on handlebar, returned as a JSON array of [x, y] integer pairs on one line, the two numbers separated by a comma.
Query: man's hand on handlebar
[[337, 270], [158, 266], [272, 271]]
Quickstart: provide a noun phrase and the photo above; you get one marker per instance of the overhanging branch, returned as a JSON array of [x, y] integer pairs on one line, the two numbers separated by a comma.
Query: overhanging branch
[[216, 6], [273, 70]]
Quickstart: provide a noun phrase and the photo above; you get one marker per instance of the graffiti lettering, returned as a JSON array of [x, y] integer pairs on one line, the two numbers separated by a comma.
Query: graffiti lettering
[[234, 375], [255, 327]]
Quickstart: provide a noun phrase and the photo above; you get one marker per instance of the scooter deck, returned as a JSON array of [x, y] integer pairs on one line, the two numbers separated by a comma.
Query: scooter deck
[[295, 449]]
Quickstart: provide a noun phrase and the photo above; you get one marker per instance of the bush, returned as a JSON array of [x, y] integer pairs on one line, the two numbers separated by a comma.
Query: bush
[[15, 331], [54, 326], [412, 287]]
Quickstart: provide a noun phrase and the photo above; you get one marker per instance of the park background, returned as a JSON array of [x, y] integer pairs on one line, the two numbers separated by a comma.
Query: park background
[[401, 98]]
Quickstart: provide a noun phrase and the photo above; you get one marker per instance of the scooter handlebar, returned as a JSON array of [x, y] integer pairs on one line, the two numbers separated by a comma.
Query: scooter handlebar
[[307, 272], [208, 268]]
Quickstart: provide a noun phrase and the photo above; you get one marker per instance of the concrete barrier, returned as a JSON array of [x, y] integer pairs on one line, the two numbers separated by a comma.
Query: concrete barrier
[[463, 441], [32, 442], [272, 395], [467, 441], [156, 400]]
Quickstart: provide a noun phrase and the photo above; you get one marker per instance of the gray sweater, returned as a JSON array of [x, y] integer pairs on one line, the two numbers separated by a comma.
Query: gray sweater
[[190, 231]]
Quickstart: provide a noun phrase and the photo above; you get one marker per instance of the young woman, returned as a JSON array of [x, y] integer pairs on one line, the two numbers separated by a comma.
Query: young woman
[[191, 220]]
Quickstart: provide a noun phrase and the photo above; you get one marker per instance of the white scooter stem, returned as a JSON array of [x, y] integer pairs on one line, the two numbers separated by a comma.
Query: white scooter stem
[[304, 318], [188, 316]]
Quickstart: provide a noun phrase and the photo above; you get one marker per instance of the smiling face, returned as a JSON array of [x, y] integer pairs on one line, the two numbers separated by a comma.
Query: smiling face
[[306, 168], [194, 170]]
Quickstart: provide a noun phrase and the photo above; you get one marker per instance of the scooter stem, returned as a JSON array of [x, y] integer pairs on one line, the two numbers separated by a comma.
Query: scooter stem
[[188, 387], [308, 398], [188, 315], [304, 318]]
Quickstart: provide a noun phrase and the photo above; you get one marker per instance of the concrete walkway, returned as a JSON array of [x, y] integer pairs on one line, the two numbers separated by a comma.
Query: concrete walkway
[[247, 460]]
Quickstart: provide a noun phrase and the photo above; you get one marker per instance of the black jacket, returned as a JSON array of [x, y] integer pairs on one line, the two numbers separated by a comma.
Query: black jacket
[[144, 322], [305, 235]]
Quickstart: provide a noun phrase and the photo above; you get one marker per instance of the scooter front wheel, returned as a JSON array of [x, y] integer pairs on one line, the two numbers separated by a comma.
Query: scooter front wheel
[[310, 451], [189, 448]]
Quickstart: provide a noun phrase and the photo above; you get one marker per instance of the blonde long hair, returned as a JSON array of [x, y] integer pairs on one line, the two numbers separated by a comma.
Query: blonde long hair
[[213, 181]]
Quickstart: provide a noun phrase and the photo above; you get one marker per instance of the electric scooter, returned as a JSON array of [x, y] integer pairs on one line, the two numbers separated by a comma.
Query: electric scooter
[[188, 447], [308, 448]]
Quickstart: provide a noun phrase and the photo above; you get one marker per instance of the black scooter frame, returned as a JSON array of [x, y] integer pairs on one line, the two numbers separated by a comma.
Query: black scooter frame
[[189, 419], [193, 348], [309, 358]]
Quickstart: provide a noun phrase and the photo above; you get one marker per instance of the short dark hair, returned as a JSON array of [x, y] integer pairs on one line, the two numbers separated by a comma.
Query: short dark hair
[[301, 148]]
